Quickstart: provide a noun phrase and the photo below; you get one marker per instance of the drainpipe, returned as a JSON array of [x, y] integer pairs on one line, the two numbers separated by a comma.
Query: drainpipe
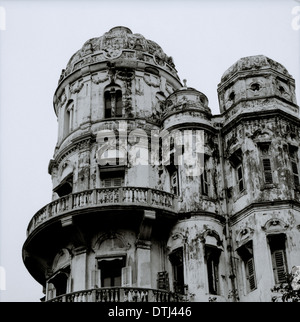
[[228, 229]]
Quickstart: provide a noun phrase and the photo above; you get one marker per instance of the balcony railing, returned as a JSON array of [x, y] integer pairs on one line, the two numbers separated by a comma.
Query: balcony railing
[[120, 294], [122, 196]]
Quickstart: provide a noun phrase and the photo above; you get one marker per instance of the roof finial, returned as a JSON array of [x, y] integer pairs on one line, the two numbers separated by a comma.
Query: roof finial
[[184, 83]]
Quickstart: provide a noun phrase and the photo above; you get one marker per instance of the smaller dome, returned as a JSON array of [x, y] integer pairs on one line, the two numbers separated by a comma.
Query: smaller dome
[[186, 98], [253, 63]]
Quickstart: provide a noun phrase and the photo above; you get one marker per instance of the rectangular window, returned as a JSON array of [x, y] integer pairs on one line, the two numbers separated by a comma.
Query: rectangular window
[[176, 259], [107, 111], [212, 262], [246, 254], [111, 271], [119, 105], [277, 248], [112, 182], [266, 163], [267, 170], [236, 162], [174, 183]]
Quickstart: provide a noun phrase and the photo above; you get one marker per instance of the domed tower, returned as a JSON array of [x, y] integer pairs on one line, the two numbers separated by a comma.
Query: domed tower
[[260, 138], [156, 199], [99, 239]]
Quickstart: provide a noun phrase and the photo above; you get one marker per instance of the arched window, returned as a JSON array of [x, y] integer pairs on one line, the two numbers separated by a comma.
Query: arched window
[[68, 118], [113, 106]]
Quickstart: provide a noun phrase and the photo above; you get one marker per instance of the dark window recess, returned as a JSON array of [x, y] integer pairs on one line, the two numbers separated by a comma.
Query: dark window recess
[[112, 176], [232, 96], [176, 259], [212, 262], [113, 103], [111, 271], [119, 105], [295, 173], [60, 281], [246, 253], [277, 247], [65, 187], [107, 113], [267, 170]]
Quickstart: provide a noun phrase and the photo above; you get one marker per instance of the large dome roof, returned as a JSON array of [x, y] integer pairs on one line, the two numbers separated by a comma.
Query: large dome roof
[[253, 63], [119, 42]]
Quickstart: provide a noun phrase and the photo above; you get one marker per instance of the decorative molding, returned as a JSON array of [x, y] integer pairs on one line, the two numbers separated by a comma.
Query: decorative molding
[[209, 232], [67, 221], [152, 80], [243, 236], [100, 78], [76, 87], [275, 225]]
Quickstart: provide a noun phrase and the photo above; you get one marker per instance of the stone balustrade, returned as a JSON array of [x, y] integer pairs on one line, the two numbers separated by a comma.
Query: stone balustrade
[[119, 294], [122, 196]]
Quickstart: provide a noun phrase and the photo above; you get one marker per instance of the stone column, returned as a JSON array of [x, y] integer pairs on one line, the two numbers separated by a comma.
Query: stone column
[[143, 250], [78, 269]]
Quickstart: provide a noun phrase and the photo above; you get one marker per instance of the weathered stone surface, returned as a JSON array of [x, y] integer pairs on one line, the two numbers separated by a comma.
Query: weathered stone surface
[[125, 214]]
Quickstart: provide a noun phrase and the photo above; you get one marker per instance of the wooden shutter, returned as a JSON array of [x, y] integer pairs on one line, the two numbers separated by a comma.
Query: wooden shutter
[[240, 178], [163, 280], [50, 291], [279, 266], [117, 182], [112, 182], [126, 276], [95, 278], [267, 171], [251, 274], [295, 173], [107, 183], [174, 183]]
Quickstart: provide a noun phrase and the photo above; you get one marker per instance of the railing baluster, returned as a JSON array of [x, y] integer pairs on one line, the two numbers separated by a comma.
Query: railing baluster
[[100, 196]]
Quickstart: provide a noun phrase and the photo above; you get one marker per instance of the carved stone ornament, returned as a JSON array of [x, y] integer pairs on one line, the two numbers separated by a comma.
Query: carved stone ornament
[[275, 225], [244, 235], [76, 87], [152, 80], [176, 240], [100, 78], [210, 237]]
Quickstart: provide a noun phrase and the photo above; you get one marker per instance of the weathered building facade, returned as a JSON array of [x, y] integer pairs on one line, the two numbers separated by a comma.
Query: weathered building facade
[[127, 221]]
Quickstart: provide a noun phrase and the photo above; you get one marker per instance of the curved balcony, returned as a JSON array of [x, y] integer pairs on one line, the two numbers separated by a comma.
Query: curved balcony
[[104, 197], [120, 294]]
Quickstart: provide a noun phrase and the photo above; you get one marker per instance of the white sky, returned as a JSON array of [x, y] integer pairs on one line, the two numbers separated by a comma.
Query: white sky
[[204, 38]]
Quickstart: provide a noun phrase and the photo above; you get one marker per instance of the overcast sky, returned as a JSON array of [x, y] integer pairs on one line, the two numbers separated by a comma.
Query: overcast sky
[[204, 37]]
